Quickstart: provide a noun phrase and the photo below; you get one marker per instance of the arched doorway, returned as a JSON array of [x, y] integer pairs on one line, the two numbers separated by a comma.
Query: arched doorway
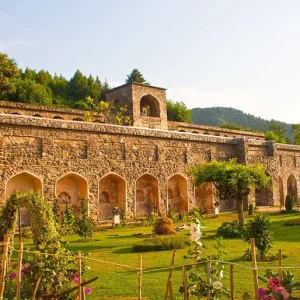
[[146, 196], [204, 196], [149, 106], [69, 190], [177, 194], [112, 193], [280, 191], [21, 183], [292, 188]]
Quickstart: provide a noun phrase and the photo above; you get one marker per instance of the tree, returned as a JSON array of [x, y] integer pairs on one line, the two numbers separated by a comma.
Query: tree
[[28, 91], [8, 71], [177, 111], [233, 181], [136, 76], [276, 132], [296, 132], [272, 136]]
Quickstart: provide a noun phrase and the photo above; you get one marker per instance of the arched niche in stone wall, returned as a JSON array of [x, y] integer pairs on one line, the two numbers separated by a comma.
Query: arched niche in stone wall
[[58, 118], [112, 193], [204, 196], [177, 194], [280, 191], [149, 106], [146, 196], [73, 185], [264, 196], [21, 183], [292, 188]]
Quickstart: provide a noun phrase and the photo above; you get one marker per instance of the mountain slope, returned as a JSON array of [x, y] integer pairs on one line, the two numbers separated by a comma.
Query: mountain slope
[[215, 116]]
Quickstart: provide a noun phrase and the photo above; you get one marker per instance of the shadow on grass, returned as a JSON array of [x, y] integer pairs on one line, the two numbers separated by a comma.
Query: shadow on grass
[[127, 250], [88, 247]]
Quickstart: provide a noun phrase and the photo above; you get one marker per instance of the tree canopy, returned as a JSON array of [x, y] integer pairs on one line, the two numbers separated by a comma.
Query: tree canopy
[[8, 71], [177, 111], [136, 76], [232, 180]]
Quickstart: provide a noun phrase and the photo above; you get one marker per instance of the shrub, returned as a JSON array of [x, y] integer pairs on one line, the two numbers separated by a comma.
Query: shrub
[[163, 225], [288, 202], [84, 225], [161, 243], [259, 229], [250, 210], [292, 222], [230, 230]]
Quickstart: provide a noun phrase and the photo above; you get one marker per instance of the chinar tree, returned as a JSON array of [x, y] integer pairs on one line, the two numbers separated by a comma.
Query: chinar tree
[[232, 180]]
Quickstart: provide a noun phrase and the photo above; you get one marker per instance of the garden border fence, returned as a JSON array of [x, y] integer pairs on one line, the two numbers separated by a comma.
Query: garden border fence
[[168, 294]]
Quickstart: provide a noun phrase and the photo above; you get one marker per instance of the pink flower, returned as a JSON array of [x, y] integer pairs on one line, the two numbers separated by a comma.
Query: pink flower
[[273, 283], [87, 290], [261, 293], [25, 268], [283, 292], [12, 275], [74, 278]]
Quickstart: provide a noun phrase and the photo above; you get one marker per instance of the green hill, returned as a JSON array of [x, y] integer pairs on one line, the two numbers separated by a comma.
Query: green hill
[[215, 116]]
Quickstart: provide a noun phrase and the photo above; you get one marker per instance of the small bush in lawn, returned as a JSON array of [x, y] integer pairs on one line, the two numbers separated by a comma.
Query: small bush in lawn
[[161, 243], [292, 222], [230, 230], [288, 202], [293, 211], [164, 225], [259, 229]]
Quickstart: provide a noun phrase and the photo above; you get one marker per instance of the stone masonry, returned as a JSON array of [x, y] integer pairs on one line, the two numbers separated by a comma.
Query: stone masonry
[[140, 168]]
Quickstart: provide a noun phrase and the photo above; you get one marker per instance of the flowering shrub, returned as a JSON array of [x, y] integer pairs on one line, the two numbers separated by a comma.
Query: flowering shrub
[[278, 289], [197, 284]]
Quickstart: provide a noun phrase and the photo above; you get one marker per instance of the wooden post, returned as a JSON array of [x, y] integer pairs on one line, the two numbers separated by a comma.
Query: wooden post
[[19, 274], [79, 274], [169, 281], [208, 272], [280, 265], [254, 266], [231, 283], [140, 274], [185, 285], [4, 265]]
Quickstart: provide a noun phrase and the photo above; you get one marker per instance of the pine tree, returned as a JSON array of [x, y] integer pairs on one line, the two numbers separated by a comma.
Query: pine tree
[[136, 76]]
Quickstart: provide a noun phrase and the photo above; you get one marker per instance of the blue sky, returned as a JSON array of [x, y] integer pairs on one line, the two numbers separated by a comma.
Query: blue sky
[[241, 54]]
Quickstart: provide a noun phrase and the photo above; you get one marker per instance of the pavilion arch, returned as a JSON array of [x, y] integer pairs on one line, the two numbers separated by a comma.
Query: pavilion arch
[[204, 197], [280, 191], [71, 188], [23, 182], [177, 193], [146, 195], [112, 193], [292, 187], [149, 106]]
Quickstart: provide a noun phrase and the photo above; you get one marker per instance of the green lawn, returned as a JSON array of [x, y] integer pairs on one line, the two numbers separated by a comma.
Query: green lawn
[[117, 282]]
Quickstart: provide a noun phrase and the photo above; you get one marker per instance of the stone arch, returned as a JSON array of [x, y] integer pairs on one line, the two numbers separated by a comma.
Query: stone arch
[[23, 182], [149, 106], [280, 191], [264, 196], [70, 188], [37, 116], [16, 113], [177, 193], [78, 119], [204, 197], [112, 193], [292, 187], [206, 133], [58, 118], [181, 130], [146, 195], [196, 132]]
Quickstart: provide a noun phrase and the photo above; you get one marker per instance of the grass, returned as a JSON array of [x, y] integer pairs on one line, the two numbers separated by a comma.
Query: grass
[[115, 245]]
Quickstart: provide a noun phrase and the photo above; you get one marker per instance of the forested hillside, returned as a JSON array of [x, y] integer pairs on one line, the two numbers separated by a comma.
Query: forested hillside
[[216, 116]]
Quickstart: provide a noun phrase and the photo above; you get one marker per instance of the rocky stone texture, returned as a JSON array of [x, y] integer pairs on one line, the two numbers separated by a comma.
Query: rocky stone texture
[[139, 169]]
